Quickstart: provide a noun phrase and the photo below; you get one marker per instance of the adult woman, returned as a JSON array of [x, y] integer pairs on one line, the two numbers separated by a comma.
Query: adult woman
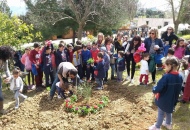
[[168, 36], [5, 53], [135, 43], [153, 45]]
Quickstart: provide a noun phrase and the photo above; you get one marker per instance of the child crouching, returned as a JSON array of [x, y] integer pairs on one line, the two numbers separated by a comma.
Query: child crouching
[[64, 90], [16, 85]]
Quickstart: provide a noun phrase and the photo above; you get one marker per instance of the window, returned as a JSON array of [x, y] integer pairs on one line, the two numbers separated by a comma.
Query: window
[[165, 23]]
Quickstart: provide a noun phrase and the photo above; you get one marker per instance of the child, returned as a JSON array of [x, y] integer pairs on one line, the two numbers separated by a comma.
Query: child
[[144, 69], [186, 93], [85, 57], [65, 88], [16, 85], [94, 53], [70, 52], [35, 58], [167, 91], [184, 72], [179, 49], [47, 65], [106, 62], [99, 71], [170, 53], [100, 39], [77, 60], [110, 49], [28, 66], [61, 54], [120, 66]]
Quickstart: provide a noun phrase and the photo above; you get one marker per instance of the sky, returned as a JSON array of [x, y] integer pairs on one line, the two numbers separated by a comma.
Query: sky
[[18, 6]]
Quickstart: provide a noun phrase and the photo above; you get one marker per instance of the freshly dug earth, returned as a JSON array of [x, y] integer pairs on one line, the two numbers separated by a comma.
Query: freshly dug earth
[[127, 110]]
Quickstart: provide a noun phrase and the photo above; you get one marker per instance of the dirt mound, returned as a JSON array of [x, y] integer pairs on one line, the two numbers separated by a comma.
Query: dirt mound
[[126, 111]]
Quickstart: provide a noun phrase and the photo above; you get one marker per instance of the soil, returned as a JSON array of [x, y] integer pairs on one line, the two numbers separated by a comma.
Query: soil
[[130, 108]]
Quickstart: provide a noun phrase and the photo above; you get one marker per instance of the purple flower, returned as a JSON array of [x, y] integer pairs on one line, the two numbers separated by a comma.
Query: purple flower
[[76, 109], [87, 106], [82, 111]]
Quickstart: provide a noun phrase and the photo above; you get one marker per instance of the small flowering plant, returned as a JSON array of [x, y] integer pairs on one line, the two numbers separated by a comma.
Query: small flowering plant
[[85, 110]]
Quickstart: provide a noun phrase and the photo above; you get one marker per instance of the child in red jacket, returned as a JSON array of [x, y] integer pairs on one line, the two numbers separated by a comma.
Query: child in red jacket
[[36, 61], [94, 53]]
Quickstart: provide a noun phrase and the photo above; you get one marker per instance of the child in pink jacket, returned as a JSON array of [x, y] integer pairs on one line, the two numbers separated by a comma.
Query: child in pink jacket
[[28, 66], [179, 49]]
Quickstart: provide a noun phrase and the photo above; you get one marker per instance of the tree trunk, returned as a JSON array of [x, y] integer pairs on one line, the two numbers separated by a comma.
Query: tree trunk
[[74, 35], [176, 24], [80, 29]]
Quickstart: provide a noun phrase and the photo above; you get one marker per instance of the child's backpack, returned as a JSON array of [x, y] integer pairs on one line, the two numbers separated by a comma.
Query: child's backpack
[[158, 58], [151, 65]]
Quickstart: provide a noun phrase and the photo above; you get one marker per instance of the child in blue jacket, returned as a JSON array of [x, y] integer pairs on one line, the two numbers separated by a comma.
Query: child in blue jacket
[[167, 93], [47, 65], [86, 55], [106, 62], [99, 71], [120, 66]]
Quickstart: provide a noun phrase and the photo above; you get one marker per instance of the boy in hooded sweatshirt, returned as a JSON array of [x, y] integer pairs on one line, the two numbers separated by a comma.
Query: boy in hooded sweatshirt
[[106, 62]]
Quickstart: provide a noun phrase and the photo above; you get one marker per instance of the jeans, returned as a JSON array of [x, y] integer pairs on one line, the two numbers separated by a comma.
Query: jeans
[[17, 94], [112, 69], [119, 75], [47, 78], [53, 87], [80, 73], [106, 77], [99, 82], [1, 94], [161, 118], [92, 70], [86, 70], [61, 92]]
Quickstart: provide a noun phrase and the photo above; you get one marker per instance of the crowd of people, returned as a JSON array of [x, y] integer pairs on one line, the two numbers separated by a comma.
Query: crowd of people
[[69, 63]]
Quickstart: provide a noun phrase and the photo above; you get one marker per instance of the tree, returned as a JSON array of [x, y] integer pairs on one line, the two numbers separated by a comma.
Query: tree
[[101, 12], [4, 8], [14, 32], [180, 16]]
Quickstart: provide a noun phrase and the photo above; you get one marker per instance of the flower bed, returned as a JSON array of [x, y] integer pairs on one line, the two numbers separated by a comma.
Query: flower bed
[[84, 110]]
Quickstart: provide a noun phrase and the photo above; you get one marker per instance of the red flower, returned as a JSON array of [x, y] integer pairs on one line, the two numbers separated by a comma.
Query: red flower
[[101, 102], [70, 106], [66, 104], [95, 107], [67, 100]]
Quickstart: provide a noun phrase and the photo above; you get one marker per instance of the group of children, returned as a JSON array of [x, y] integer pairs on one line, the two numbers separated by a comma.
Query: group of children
[[47, 59]]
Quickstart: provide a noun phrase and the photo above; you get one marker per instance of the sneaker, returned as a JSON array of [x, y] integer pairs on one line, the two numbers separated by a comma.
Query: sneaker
[[141, 84], [99, 88], [3, 112], [153, 127], [128, 78], [59, 96], [154, 81], [132, 81], [169, 127], [16, 107], [25, 97]]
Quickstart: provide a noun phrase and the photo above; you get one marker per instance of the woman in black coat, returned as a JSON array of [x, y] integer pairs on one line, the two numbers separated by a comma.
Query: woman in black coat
[[168, 36]]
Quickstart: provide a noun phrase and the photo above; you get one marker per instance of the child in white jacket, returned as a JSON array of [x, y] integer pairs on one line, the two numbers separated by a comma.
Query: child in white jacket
[[16, 85]]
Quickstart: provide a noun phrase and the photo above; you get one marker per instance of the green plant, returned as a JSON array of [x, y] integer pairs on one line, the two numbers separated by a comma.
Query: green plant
[[85, 90], [90, 61]]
